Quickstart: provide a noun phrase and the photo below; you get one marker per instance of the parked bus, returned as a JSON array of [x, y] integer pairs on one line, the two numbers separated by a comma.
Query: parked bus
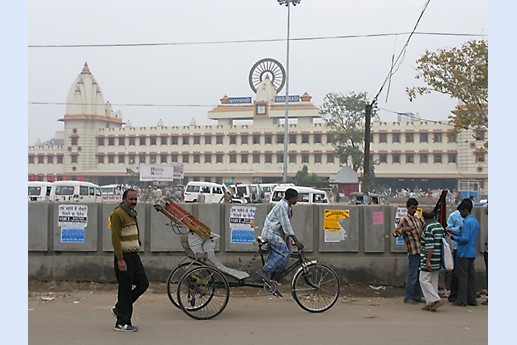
[[75, 191], [39, 190]]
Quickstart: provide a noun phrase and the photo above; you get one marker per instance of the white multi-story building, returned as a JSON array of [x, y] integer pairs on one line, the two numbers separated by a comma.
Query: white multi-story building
[[246, 144]]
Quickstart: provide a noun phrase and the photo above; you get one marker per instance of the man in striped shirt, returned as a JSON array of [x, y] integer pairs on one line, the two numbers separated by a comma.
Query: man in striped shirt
[[410, 228], [277, 230], [431, 260]]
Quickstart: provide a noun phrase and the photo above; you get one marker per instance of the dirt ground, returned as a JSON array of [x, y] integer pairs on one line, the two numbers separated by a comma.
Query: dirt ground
[[38, 288]]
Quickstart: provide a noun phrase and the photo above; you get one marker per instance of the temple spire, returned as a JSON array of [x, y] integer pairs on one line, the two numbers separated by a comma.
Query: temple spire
[[86, 69]]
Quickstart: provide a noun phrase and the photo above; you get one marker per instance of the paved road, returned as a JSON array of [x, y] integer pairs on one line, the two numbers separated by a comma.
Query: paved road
[[84, 318]]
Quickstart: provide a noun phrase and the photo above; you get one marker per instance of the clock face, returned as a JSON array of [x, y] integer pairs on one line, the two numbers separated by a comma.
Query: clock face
[[267, 67]]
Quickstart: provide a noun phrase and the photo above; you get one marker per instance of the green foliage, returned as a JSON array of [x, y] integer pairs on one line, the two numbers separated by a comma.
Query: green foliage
[[345, 116], [461, 73], [303, 178]]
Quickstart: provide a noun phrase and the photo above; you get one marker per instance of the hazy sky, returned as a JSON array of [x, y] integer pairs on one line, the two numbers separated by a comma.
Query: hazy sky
[[207, 54]]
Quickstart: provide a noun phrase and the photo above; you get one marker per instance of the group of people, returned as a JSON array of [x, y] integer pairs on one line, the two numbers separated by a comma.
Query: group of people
[[422, 236], [423, 239]]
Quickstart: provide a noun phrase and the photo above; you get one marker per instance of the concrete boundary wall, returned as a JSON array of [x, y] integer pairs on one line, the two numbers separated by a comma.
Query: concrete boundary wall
[[369, 254]]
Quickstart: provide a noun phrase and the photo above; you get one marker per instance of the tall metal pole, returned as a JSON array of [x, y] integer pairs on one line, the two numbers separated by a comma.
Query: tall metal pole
[[286, 119], [366, 159]]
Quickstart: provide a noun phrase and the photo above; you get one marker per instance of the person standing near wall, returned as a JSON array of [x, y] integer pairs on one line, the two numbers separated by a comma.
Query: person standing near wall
[[465, 256], [410, 228], [129, 269], [454, 223], [430, 260], [485, 257]]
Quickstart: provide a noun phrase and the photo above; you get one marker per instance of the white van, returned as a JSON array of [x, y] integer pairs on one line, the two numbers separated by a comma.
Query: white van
[[204, 192], [75, 191], [39, 190], [112, 192], [251, 192], [306, 195]]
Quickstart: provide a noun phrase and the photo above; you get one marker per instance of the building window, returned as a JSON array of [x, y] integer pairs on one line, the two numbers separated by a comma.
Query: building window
[[479, 134], [256, 139], [383, 158], [163, 140], [174, 158], [437, 137], [208, 158], [279, 138], [100, 159], [132, 159], [452, 138], [317, 158], [305, 138], [317, 138], [244, 140], [330, 138], [268, 158], [60, 159], [122, 141], [292, 158], [219, 139], [396, 137], [305, 158], [268, 139], [141, 159], [111, 159], [480, 157], [197, 158], [185, 158], [256, 158], [409, 137], [152, 159], [410, 158], [163, 158], [233, 158], [41, 159], [395, 158], [121, 159], [141, 141], [50, 159], [100, 141], [132, 141], [31, 159], [208, 140], [233, 139], [330, 158], [185, 140], [244, 158], [153, 141], [197, 140], [383, 138], [74, 140], [111, 141], [280, 158], [219, 158], [174, 140], [452, 158], [437, 157], [74, 159], [292, 138], [423, 138], [423, 158]]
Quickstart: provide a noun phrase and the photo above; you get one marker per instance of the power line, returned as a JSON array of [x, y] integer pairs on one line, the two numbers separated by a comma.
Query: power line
[[125, 104], [251, 41]]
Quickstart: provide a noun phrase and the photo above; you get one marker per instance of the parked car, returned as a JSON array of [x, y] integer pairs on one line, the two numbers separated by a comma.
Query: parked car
[[359, 198]]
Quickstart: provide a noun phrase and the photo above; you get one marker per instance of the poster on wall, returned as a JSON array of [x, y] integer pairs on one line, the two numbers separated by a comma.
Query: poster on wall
[[73, 220], [333, 228], [161, 172], [242, 224]]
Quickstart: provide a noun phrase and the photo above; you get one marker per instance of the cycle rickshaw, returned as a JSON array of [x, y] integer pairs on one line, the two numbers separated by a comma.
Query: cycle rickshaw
[[200, 284]]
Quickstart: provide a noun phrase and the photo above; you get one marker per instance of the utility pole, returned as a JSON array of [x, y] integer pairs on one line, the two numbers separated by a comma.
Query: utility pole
[[366, 159]]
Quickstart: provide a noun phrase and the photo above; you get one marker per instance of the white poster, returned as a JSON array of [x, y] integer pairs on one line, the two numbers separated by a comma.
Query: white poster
[[242, 224], [161, 172], [73, 216]]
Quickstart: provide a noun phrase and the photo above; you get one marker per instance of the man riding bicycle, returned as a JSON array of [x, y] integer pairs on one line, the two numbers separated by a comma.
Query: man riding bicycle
[[277, 230]]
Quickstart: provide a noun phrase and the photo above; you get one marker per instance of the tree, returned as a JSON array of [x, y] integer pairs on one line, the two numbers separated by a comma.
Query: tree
[[303, 178], [345, 116], [461, 73]]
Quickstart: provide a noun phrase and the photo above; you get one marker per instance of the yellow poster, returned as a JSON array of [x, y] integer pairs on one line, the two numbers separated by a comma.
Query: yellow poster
[[331, 219]]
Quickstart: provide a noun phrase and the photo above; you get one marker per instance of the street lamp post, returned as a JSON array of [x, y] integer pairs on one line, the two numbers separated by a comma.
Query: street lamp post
[[286, 118]]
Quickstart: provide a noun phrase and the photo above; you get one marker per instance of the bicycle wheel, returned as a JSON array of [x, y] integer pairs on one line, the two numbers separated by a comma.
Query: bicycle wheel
[[203, 292], [315, 287], [174, 278]]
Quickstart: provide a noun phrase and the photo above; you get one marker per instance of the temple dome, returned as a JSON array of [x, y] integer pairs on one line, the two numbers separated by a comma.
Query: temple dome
[[85, 95]]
